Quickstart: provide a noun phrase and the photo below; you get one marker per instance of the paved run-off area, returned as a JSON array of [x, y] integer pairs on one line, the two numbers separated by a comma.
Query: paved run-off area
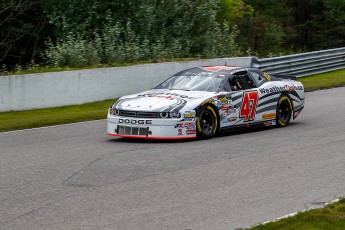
[[76, 177]]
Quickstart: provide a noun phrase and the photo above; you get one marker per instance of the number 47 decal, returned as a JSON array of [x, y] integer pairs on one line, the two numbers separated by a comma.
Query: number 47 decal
[[248, 107]]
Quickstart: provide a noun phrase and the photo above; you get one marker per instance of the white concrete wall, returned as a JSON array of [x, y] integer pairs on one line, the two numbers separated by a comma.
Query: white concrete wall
[[44, 90]]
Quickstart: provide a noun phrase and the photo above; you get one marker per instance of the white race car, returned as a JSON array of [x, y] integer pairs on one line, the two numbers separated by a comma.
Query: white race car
[[202, 101]]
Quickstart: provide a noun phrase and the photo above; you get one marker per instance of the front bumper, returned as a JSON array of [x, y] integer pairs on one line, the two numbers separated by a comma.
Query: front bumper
[[144, 128]]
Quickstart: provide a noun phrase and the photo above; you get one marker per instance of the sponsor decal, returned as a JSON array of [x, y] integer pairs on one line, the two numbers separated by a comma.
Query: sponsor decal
[[134, 122], [224, 107], [179, 125], [190, 119], [225, 120], [232, 110], [179, 132], [267, 76], [292, 87], [230, 119], [205, 74], [268, 116], [268, 123], [218, 104], [190, 73], [189, 125], [168, 96], [224, 114], [189, 114], [272, 89], [275, 89], [191, 131], [223, 99], [248, 107]]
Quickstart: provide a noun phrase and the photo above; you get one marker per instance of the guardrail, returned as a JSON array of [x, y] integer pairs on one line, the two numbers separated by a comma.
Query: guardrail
[[304, 64]]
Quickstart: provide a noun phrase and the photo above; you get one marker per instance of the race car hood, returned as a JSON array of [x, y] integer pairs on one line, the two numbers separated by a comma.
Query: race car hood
[[161, 100]]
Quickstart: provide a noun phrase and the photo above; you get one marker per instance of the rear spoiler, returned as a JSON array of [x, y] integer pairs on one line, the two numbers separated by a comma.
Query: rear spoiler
[[283, 76]]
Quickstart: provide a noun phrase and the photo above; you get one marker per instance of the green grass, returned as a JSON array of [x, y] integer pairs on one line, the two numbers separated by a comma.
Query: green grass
[[53, 116], [330, 217], [98, 110], [324, 81]]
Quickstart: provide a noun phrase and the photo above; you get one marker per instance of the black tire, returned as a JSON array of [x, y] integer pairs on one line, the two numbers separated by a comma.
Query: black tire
[[207, 122], [284, 111]]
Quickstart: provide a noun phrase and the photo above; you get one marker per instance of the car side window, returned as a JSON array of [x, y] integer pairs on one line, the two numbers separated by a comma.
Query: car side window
[[226, 86], [241, 81], [235, 84], [257, 78]]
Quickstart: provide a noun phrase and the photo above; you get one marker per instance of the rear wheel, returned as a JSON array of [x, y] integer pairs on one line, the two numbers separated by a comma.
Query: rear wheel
[[284, 111], [207, 122]]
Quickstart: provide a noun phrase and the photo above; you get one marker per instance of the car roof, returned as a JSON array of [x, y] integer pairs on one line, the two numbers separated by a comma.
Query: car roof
[[221, 68], [214, 69]]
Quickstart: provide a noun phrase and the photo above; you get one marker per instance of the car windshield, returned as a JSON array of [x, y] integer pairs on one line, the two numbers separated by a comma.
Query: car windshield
[[205, 81]]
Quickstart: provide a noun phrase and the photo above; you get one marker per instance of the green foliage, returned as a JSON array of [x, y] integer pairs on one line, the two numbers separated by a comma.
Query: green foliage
[[73, 51], [222, 42], [79, 33], [265, 31], [232, 10], [144, 31]]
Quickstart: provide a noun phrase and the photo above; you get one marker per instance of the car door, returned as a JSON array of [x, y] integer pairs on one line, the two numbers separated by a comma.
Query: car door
[[246, 99], [238, 107]]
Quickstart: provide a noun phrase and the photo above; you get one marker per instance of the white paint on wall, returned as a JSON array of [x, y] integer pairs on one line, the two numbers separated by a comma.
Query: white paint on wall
[[44, 90]]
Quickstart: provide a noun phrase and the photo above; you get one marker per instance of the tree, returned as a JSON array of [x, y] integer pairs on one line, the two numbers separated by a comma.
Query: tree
[[15, 32], [333, 23], [264, 32], [232, 10]]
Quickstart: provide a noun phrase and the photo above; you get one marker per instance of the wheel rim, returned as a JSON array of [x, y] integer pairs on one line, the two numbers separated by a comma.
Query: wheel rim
[[284, 111], [207, 122]]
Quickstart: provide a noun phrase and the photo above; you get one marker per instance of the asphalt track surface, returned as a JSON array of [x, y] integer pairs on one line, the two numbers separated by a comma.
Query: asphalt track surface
[[76, 177]]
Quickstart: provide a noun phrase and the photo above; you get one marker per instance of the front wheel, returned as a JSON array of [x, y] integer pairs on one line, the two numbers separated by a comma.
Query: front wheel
[[207, 122], [284, 111]]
